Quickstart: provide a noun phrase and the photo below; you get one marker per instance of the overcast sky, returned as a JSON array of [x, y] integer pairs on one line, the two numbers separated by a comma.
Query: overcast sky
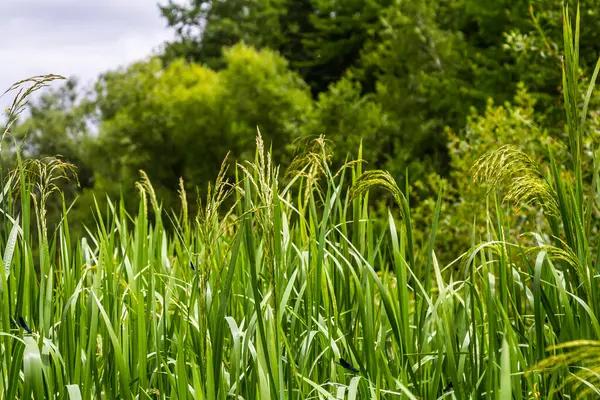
[[75, 37]]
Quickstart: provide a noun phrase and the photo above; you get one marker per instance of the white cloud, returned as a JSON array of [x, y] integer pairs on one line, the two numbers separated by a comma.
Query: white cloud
[[80, 38]]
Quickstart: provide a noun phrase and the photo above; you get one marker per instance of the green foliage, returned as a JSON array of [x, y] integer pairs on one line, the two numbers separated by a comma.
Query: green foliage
[[421, 64], [348, 119], [393, 75], [418, 64], [205, 27], [514, 125], [266, 95], [321, 39], [165, 120], [339, 32], [295, 289]]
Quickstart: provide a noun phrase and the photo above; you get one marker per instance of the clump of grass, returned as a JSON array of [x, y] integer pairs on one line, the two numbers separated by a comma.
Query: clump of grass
[[579, 360], [22, 90], [526, 182]]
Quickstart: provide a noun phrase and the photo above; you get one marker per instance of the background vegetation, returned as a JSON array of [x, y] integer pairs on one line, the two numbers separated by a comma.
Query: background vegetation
[[410, 79], [302, 271]]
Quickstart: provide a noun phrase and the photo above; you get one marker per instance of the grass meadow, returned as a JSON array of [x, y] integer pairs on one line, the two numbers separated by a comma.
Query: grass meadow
[[290, 285]]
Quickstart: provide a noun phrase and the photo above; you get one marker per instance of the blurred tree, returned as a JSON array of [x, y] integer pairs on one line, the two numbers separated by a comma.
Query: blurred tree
[[348, 119], [426, 63], [321, 38], [421, 84], [204, 28], [339, 32], [181, 121]]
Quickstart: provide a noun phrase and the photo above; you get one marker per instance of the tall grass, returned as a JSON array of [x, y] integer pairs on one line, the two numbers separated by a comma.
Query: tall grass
[[286, 287]]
